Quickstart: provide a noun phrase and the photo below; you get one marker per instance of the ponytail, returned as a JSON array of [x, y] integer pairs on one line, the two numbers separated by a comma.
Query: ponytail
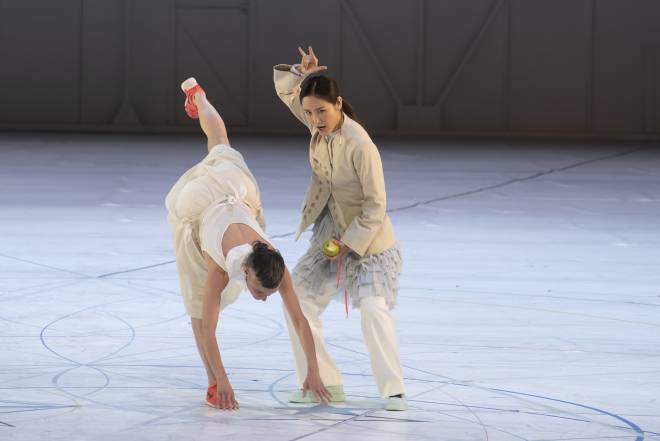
[[347, 108]]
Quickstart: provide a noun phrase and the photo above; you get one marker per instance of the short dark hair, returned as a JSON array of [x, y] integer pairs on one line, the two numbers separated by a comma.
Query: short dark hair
[[267, 264]]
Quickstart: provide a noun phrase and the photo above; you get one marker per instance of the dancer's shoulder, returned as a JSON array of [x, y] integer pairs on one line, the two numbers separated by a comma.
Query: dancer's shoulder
[[353, 132]]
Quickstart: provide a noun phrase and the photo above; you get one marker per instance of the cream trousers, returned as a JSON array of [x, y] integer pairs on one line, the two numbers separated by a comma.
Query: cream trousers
[[378, 330]]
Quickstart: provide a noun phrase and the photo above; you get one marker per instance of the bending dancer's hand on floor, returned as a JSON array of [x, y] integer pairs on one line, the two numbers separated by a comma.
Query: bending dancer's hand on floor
[[314, 385], [309, 64], [226, 398]]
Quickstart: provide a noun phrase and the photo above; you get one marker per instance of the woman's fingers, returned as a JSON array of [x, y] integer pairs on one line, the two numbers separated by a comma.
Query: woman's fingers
[[306, 58], [312, 391], [227, 401], [326, 393], [323, 393], [316, 388], [233, 402], [310, 61], [321, 396]]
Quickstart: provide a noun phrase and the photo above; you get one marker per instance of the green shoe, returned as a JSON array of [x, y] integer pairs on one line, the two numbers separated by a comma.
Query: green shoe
[[396, 403], [337, 393]]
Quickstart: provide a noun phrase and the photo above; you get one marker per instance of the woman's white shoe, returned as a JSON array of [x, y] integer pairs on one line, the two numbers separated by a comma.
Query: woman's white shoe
[[396, 403]]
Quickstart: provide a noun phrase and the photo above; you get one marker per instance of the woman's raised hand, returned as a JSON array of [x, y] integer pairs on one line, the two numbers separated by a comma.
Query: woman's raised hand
[[309, 64]]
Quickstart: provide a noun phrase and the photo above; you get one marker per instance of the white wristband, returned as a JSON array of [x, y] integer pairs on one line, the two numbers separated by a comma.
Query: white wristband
[[295, 69]]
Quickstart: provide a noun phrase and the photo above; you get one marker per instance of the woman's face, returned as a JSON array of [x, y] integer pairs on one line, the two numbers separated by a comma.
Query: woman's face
[[323, 115], [255, 287]]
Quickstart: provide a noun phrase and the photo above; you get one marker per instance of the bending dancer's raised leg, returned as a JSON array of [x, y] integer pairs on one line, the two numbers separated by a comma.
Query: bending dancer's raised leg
[[210, 120]]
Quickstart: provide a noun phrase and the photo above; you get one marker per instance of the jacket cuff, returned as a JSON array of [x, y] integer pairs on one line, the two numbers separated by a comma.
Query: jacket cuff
[[287, 79], [352, 240], [291, 68]]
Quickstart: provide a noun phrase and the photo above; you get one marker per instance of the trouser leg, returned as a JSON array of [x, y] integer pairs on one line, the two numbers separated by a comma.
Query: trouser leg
[[379, 334]]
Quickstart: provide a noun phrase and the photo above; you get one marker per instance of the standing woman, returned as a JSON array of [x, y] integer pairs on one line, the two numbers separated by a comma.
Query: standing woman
[[346, 202]]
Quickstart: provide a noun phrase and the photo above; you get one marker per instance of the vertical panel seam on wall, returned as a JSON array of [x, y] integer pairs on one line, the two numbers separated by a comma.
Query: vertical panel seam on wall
[[340, 44], [650, 90], [507, 92], [421, 31], [124, 61], [173, 62], [81, 92], [644, 87], [588, 126], [654, 78], [226, 89], [374, 58], [128, 36], [474, 44], [655, 49], [251, 37], [126, 101]]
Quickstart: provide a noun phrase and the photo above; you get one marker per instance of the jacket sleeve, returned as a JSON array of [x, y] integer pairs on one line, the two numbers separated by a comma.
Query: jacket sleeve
[[287, 81], [364, 228]]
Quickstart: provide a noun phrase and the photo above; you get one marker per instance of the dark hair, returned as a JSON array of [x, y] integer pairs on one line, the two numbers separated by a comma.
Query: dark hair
[[327, 89], [267, 264]]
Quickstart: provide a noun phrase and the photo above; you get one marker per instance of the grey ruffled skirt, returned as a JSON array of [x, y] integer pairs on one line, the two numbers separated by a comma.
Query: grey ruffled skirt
[[374, 275]]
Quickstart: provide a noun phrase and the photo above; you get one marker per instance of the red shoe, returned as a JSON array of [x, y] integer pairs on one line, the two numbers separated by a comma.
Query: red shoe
[[212, 396], [190, 88]]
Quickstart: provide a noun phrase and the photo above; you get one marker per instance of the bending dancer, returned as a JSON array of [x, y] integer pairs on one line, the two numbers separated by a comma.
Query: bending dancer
[[221, 248], [346, 202]]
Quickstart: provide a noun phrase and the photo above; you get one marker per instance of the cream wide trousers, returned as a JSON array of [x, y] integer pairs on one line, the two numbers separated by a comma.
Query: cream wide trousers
[[378, 330]]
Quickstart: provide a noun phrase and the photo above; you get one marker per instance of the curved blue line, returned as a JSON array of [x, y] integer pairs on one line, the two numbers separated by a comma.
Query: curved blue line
[[630, 424], [454, 382]]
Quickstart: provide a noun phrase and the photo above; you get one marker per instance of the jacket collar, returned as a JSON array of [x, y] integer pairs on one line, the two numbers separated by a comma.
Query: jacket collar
[[320, 155]]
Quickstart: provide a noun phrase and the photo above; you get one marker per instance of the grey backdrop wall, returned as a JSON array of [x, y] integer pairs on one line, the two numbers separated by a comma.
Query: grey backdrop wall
[[537, 67]]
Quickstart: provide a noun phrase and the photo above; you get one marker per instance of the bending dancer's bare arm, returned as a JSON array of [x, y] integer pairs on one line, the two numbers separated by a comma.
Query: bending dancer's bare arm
[[216, 282], [210, 121], [313, 381]]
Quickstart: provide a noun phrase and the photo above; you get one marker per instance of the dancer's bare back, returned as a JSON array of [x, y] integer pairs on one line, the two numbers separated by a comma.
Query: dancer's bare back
[[239, 234]]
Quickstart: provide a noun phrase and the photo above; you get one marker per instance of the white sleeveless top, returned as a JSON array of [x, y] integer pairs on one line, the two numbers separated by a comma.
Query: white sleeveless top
[[214, 224], [196, 207]]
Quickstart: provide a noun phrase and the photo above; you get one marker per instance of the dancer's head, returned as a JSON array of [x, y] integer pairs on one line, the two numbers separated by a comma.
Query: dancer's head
[[322, 104], [264, 270]]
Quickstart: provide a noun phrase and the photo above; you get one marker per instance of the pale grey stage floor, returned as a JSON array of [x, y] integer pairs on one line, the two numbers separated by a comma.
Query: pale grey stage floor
[[529, 305]]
